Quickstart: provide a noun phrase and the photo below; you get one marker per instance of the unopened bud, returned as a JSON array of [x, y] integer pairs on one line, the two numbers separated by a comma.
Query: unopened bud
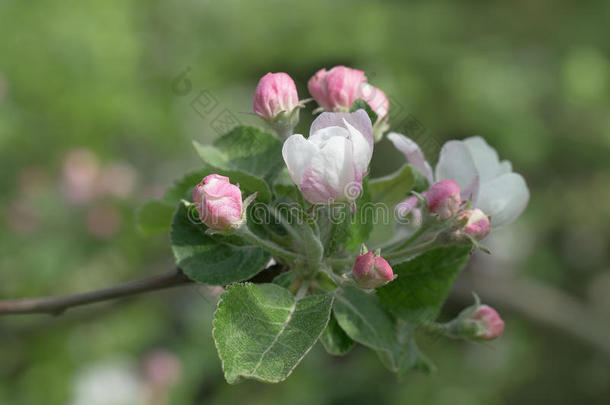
[[372, 271], [218, 202], [275, 93], [476, 224], [336, 89], [277, 102], [443, 199], [477, 322]]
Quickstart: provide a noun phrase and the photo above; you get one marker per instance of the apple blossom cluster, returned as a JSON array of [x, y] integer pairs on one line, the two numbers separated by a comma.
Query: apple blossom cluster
[[473, 192], [356, 272]]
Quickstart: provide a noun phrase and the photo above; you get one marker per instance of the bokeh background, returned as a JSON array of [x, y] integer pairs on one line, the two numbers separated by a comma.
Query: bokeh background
[[99, 103]]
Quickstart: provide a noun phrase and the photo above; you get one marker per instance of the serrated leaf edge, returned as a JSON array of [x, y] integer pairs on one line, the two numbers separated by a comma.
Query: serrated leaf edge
[[254, 377]]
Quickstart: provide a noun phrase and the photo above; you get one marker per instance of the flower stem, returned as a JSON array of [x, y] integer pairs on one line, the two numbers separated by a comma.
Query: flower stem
[[425, 227], [275, 250], [412, 251]]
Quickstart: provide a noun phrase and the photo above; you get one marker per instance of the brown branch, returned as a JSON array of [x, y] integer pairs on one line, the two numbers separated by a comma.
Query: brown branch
[[533, 300], [57, 305]]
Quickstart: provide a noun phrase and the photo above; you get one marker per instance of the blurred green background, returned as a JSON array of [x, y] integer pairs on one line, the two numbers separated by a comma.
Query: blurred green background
[[112, 93]]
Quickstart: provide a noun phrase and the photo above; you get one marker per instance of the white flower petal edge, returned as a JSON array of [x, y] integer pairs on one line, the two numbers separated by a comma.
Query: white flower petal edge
[[359, 120], [485, 159], [413, 153], [330, 165], [503, 198], [362, 150], [456, 163], [298, 152]]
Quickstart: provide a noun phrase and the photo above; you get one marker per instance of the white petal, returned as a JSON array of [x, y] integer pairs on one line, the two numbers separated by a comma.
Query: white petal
[[321, 136], [336, 159], [298, 152], [505, 167], [485, 158], [413, 153], [362, 151], [503, 198], [359, 120], [455, 163], [330, 172]]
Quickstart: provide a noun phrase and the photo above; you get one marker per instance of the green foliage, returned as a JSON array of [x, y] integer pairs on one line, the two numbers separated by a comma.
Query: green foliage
[[386, 192], [364, 320], [246, 149], [335, 340], [204, 259], [262, 332], [285, 279], [362, 221], [361, 104], [423, 284]]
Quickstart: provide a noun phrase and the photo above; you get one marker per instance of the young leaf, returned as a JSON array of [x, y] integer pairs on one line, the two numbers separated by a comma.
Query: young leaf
[[246, 149], [360, 103], [203, 259], [335, 340], [285, 279], [423, 284], [361, 223], [262, 332], [363, 319], [394, 187], [386, 192]]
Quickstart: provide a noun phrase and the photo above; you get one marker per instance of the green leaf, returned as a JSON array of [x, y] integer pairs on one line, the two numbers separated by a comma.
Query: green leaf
[[363, 319], [285, 279], [154, 216], [361, 223], [246, 149], [361, 104], [262, 332], [386, 192], [423, 284], [393, 188], [335, 340], [182, 189], [205, 260]]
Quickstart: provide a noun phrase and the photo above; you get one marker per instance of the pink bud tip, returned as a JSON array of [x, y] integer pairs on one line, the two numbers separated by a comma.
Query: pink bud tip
[[476, 224], [443, 199], [218, 202], [337, 89], [275, 93], [491, 325], [372, 272]]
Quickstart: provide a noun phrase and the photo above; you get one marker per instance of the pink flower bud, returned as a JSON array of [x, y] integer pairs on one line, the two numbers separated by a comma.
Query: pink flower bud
[[337, 89], [476, 224], [218, 202], [376, 99], [275, 93], [443, 199], [488, 322], [372, 272]]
